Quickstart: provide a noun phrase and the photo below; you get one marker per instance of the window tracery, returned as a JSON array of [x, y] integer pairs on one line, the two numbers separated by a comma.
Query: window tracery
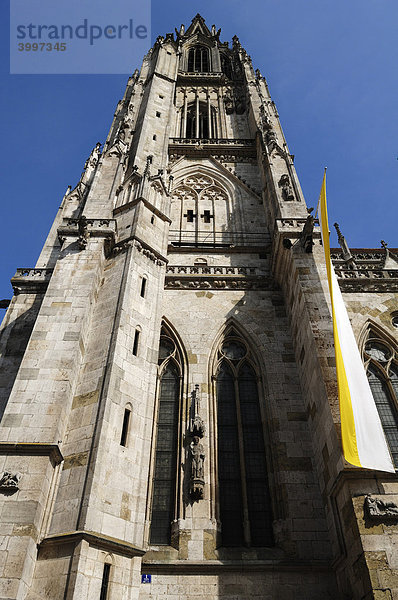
[[200, 208], [244, 501], [165, 470], [201, 121], [198, 59], [381, 362]]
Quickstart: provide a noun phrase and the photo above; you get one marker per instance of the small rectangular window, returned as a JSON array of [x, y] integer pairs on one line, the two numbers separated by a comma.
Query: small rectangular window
[[125, 428], [143, 287], [157, 113], [105, 582], [161, 97], [154, 137], [136, 341], [152, 220]]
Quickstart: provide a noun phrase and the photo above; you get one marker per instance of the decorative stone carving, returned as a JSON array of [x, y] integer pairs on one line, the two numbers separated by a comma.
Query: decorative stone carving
[[197, 426], [198, 457], [197, 453], [207, 283], [146, 252], [83, 233], [380, 509], [286, 187], [306, 237], [9, 481], [31, 281]]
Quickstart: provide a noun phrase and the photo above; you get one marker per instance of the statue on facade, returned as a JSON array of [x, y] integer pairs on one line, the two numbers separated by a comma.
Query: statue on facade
[[196, 449], [286, 187], [198, 457]]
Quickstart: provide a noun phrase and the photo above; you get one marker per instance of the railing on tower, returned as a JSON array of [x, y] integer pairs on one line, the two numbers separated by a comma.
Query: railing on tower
[[225, 141], [225, 239]]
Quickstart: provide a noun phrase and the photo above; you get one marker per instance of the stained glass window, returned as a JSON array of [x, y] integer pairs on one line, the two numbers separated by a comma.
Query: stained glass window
[[165, 464], [382, 371], [244, 499]]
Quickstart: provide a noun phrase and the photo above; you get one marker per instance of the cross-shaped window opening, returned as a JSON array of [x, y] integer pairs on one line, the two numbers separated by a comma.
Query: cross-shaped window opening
[[190, 216], [207, 216]]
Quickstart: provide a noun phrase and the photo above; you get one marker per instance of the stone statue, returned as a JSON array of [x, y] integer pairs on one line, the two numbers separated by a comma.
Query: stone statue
[[198, 457], [9, 481], [287, 190]]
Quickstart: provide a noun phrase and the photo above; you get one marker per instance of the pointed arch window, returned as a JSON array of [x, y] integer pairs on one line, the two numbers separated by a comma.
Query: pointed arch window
[[244, 501], [166, 440], [201, 121], [198, 59], [382, 371]]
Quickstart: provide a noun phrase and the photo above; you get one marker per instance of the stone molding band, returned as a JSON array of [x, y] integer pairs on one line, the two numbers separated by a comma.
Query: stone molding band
[[32, 449], [104, 542], [214, 567]]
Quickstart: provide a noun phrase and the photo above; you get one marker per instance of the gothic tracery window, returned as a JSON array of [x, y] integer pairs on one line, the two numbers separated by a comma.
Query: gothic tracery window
[[166, 440], [198, 59], [382, 370], [244, 501], [200, 210], [201, 121]]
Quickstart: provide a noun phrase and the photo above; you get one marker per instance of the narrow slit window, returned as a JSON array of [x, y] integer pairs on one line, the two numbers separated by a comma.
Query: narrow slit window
[[125, 428], [152, 220], [143, 287], [105, 582], [136, 342]]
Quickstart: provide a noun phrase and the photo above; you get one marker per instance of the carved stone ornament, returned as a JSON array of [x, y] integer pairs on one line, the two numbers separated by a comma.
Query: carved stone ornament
[[197, 426], [9, 481], [197, 468], [287, 190], [196, 449], [377, 508]]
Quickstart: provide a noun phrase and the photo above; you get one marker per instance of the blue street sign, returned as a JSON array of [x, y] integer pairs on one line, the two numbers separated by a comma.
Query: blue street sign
[[146, 578]]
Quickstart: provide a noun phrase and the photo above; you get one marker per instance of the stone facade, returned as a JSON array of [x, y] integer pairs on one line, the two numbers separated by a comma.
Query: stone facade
[[188, 224]]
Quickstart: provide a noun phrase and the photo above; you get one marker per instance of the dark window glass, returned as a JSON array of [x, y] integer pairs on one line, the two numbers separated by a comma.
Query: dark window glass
[[203, 122], [164, 483], [105, 582], [240, 434], [258, 500], [198, 59], [125, 428], [386, 405], [229, 476], [136, 342], [143, 287]]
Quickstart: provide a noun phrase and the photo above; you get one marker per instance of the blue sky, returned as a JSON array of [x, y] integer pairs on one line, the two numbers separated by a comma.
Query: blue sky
[[331, 69]]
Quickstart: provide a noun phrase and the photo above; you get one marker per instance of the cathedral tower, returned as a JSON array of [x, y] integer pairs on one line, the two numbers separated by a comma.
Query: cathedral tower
[[169, 413]]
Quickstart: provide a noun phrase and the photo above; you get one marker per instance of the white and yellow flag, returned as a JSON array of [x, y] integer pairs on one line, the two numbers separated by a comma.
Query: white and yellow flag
[[364, 443]]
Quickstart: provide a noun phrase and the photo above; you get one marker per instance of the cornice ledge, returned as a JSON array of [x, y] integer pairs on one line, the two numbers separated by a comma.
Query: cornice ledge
[[94, 538], [32, 449], [207, 566]]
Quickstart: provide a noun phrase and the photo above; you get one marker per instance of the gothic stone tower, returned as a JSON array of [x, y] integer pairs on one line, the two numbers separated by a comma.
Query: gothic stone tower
[[169, 414]]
